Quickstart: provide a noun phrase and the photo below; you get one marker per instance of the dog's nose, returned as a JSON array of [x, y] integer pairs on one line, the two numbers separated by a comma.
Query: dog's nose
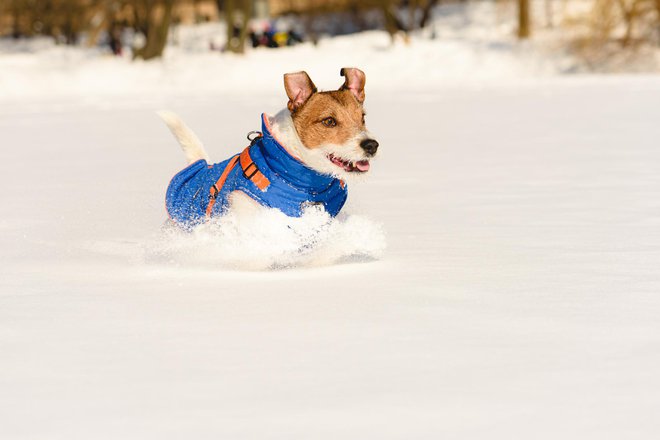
[[370, 146]]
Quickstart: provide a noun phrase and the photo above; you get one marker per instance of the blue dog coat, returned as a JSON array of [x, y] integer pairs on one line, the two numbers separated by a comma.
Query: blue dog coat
[[265, 171]]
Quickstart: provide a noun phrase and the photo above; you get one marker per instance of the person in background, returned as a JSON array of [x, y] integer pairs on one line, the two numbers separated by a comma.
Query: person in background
[[272, 38], [114, 35]]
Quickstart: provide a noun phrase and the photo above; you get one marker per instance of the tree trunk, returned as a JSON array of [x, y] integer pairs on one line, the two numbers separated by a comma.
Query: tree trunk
[[16, 20], [71, 21], [657, 18], [237, 31], [392, 22], [524, 25], [426, 12], [155, 27], [412, 12], [247, 14], [229, 7], [629, 17]]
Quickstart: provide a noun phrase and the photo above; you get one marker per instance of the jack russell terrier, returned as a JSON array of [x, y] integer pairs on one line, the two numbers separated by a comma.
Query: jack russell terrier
[[303, 156]]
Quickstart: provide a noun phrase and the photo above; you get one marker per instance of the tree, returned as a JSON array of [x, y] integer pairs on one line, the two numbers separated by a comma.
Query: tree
[[639, 20], [426, 12], [152, 18], [657, 26], [63, 20], [392, 23], [426, 6], [237, 16], [524, 25]]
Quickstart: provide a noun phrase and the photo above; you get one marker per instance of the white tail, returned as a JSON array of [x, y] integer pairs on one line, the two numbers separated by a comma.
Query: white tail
[[190, 143]]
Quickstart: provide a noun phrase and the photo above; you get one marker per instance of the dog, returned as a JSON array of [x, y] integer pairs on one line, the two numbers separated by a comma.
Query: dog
[[304, 156]]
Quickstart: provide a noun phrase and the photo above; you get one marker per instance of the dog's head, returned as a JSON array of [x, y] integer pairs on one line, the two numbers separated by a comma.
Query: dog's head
[[331, 124]]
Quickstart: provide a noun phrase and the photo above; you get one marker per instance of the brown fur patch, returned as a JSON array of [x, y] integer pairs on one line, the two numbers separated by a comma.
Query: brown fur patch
[[338, 104]]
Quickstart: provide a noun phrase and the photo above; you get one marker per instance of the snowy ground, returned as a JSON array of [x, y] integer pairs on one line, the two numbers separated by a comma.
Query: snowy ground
[[517, 296]]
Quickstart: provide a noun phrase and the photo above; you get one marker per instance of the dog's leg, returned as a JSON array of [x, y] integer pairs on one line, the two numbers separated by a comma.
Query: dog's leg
[[190, 143]]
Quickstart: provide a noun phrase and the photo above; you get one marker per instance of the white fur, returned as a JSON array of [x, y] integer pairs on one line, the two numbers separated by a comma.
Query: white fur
[[190, 143], [243, 205], [285, 132]]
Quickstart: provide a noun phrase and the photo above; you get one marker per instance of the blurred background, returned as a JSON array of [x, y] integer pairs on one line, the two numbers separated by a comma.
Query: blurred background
[[143, 26], [455, 39]]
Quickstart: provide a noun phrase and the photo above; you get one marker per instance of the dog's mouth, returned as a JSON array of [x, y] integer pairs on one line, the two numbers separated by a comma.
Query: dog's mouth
[[361, 166]]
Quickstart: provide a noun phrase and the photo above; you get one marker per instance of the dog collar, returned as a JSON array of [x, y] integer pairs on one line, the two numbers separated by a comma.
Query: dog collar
[[281, 162]]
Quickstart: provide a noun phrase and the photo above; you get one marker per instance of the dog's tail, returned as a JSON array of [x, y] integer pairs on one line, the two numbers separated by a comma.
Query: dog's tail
[[190, 143]]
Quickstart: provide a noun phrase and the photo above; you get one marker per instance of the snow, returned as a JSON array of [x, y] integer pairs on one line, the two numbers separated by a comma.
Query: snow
[[510, 289], [270, 240]]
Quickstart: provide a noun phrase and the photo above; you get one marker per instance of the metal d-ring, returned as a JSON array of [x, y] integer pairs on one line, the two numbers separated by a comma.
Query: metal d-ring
[[253, 136]]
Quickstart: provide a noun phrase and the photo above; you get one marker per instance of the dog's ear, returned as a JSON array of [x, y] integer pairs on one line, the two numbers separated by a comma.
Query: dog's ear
[[355, 81], [299, 87]]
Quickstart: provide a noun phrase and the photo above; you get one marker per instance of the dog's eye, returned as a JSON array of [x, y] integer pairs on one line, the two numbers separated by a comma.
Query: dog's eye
[[329, 122]]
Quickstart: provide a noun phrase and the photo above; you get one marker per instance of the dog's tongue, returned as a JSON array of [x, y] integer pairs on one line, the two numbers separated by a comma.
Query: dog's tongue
[[362, 165]]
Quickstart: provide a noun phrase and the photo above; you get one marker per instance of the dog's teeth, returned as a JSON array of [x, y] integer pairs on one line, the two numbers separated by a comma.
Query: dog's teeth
[[350, 166]]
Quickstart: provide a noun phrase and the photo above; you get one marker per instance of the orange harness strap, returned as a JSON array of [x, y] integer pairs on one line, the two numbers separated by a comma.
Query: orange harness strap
[[215, 189], [251, 172]]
